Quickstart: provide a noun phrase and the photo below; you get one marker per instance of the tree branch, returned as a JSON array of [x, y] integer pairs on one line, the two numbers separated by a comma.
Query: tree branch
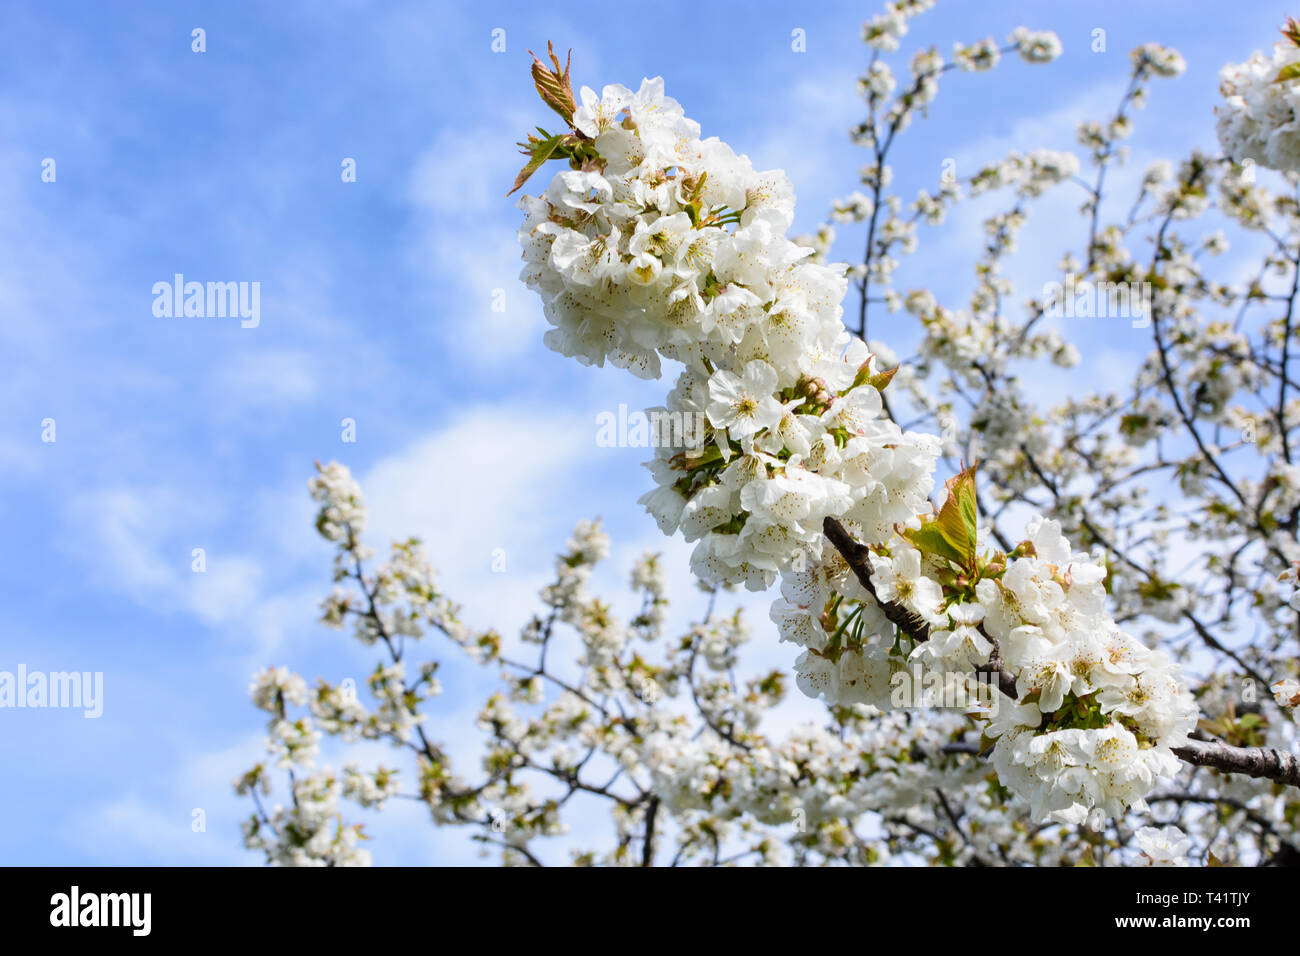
[[1252, 761]]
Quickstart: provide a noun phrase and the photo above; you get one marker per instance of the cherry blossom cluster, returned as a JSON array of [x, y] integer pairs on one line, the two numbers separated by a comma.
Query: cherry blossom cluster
[[668, 246], [674, 247], [1259, 119], [309, 830], [1096, 713]]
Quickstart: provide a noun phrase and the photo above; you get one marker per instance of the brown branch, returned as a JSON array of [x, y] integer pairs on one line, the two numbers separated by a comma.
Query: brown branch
[[858, 559], [648, 849], [1006, 680], [1252, 761]]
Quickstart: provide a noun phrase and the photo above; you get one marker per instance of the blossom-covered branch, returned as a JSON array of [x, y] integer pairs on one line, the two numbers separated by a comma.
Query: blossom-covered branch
[[1252, 761], [1122, 566], [665, 245]]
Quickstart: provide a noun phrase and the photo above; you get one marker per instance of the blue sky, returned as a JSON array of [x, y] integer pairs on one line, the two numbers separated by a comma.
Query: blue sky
[[376, 305]]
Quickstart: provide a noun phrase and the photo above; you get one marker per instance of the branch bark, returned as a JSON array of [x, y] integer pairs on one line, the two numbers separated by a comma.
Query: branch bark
[[1252, 761]]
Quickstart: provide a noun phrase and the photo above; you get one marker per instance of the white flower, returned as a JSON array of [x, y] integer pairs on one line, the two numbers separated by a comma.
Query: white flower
[[1164, 847], [1287, 692], [1036, 46], [706, 509], [1049, 544], [1161, 60], [1257, 119], [665, 505], [274, 687], [899, 580], [744, 404], [596, 114]]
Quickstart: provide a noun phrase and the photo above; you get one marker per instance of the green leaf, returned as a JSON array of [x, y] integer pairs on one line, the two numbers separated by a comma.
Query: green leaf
[[952, 533], [539, 151], [930, 539], [878, 380], [1289, 72], [1131, 423], [881, 379]]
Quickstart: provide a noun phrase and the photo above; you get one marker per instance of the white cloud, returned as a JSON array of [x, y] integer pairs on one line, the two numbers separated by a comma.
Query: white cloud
[[161, 828], [489, 480], [465, 173], [140, 542], [266, 379], [493, 319], [468, 242], [128, 830]]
